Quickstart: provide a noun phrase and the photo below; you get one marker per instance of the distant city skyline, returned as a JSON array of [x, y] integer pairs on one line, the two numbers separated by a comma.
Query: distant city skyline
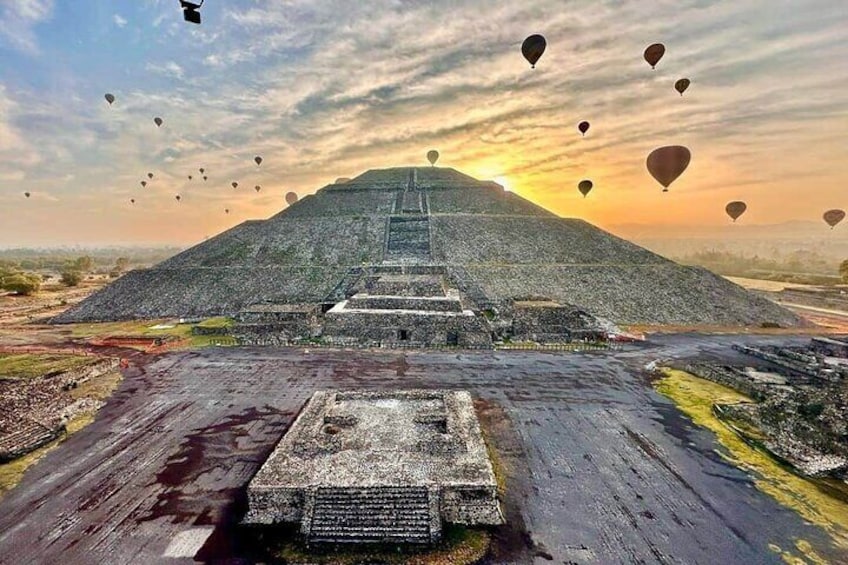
[[328, 89]]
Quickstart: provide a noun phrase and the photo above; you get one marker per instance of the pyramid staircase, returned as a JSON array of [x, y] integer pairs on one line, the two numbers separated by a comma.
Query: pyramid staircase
[[408, 233], [370, 515]]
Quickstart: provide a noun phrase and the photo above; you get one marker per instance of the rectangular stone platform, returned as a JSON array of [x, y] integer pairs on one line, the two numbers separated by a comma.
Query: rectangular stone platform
[[378, 467]]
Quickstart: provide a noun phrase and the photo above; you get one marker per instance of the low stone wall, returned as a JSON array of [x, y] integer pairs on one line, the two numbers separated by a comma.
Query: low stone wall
[[420, 328]]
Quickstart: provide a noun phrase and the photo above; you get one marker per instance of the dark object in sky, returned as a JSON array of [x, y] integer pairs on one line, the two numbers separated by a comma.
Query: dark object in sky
[[226, 210], [189, 177], [202, 170], [257, 188], [532, 49], [157, 121], [735, 209], [150, 175], [667, 163], [654, 53], [26, 194], [258, 160], [432, 156], [204, 177], [235, 184], [178, 197], [291, 198], [584, 187], [833, 217], [143, 183], [583, 127], [681, 85], [109, 98], [190, 13], [132, 200]]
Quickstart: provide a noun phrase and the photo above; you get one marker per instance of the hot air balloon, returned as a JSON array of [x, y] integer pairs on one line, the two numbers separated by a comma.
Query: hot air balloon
[[190, 177], [204, 177], [833, 217], [291, 198], [681, 85], [143, 183], [178, 197], [257, 188], [235, 184], [158, 121], [226, 210], [27, 194], [132, 200], [202, 170], [532, 49], [109, 98], [258, 160], [150, 175], [654, 53], [583, 127], [735, 209], [432, 156], [667, 163], [584, 187]]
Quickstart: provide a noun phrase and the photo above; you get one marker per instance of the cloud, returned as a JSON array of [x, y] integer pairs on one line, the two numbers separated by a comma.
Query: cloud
[[18, 19], [119, 21], [169, 69]]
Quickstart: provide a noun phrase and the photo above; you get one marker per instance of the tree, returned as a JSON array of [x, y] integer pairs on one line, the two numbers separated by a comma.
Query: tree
[[84, 264], [71, 277], [22, 283], [843, 271], [121, 264]]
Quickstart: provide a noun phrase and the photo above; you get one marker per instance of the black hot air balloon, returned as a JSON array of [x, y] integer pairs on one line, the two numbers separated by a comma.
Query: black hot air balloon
[[735, 209], [667, 163], [27, 194], [178, 197], [833, 217], [150, 175], [234, 184], [583, 127], [109, 98], [258, 160], [143, 183], [190, 177], [432, 156], [204, 177], [226, 210], [532, 49], [291, 198], [202, 170], [257, 188], [158, 121], [681, 85], [654, 53], [584, 187], [132, 200]]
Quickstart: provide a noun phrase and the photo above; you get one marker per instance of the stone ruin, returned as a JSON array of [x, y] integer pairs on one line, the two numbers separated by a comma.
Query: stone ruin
[[378, 467]]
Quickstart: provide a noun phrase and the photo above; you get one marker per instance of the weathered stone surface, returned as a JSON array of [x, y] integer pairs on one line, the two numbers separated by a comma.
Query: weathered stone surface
[[495, 245], [376, 466]]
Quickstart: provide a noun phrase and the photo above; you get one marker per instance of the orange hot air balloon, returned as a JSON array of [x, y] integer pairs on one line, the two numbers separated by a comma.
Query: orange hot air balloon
[[667, 163], [432, 156], [291, 198], [654, 53], [584, 187], [533, 48], [833, 217], [735, 209], [583, 127]]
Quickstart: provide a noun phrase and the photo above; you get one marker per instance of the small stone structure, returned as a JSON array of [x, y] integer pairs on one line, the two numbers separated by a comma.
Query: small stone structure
[[372, 467], [547, 321]]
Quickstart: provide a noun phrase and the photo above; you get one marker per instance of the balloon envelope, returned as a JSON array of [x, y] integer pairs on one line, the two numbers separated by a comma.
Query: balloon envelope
[[258, 160], [109, 98], [735, 209], [144, 183], [235, 184], [226, 210], [26, 194], [532, 49], [257, 188], [177, 197], [204, 177], [681, 85], [150, 175], [202, 170], [667, 163], [432, 156], [654, 53], [291, 198], [583, 127], [584, 187], [132, 200], [157, 121], [833, 217]]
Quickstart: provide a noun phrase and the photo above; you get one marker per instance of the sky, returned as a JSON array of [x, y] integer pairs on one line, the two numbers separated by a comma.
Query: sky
[[330, 88]]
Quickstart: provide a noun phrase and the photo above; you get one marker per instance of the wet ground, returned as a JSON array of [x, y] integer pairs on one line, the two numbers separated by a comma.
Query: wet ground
[[609, 471]]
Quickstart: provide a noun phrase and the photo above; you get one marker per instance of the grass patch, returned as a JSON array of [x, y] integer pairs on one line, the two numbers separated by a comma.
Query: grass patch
[[29, 366], [144, 328], [459, 546], [810, 498], [219, 322]]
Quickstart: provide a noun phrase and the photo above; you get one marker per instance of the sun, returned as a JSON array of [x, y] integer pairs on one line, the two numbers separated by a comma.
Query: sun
[[504, 182]]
